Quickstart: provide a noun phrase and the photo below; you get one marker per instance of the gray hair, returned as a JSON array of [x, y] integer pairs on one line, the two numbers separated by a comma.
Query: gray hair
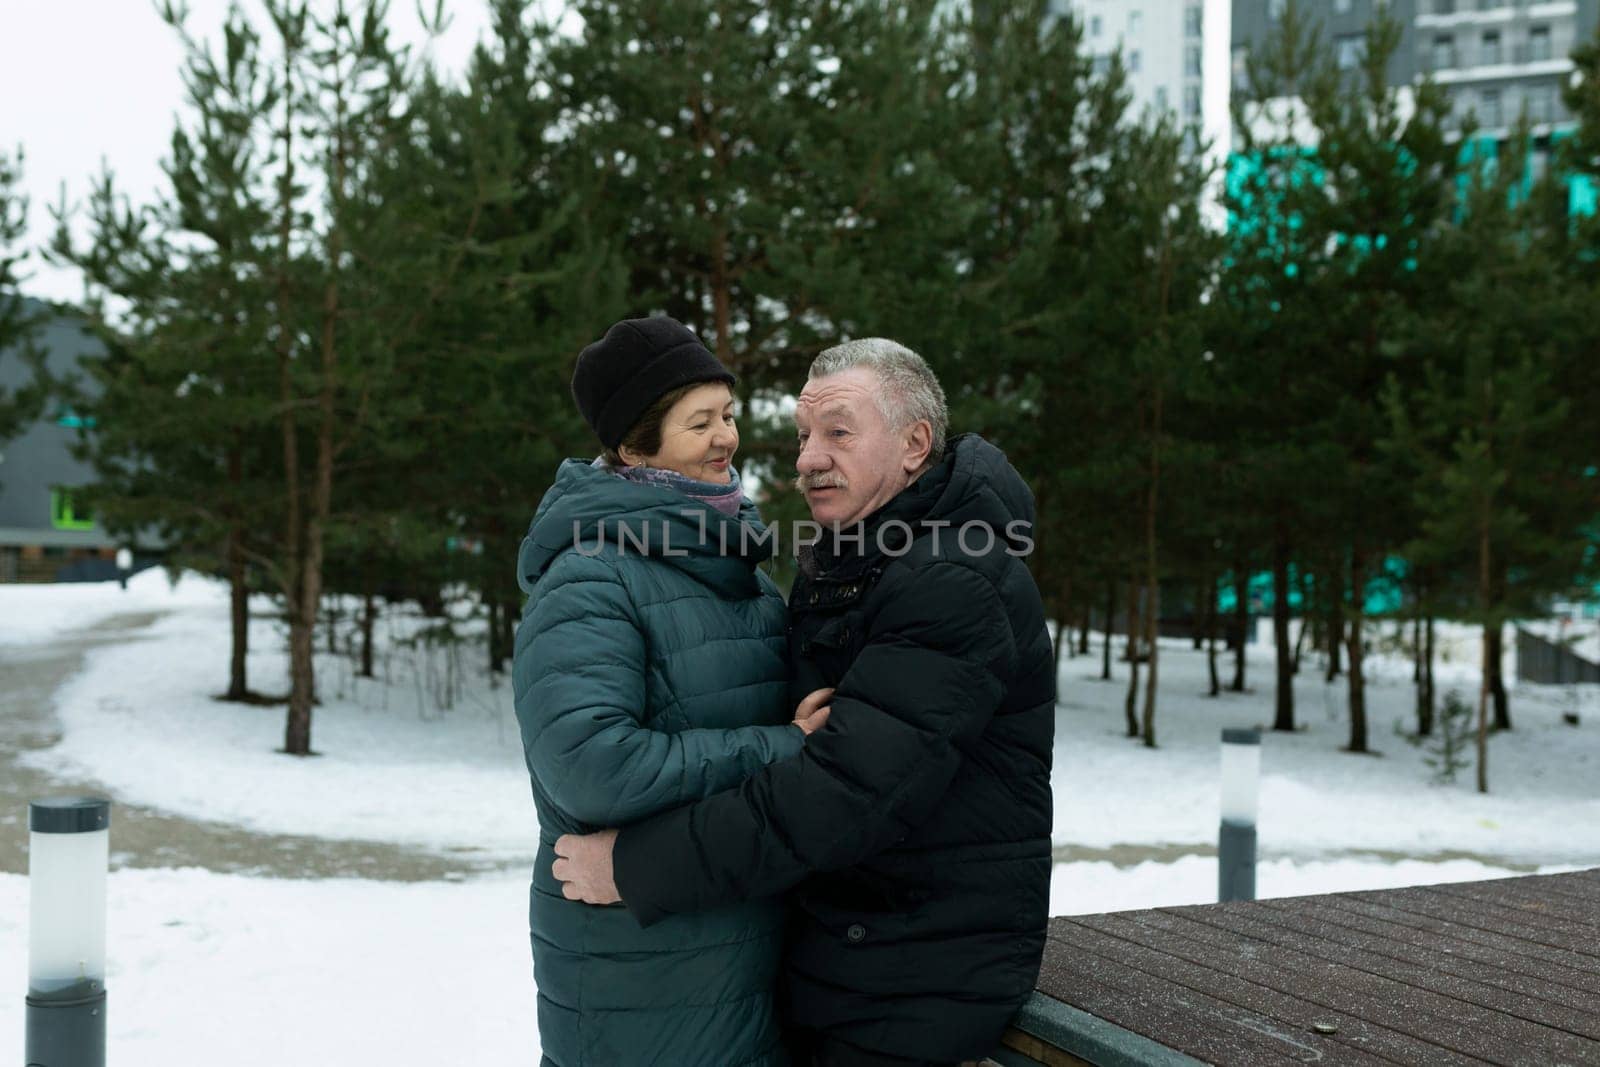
[[910, 391]]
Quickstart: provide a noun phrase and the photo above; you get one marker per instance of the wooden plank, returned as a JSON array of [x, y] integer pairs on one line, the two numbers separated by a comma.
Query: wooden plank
[[1585, 885], [1501, 921], [1018, 1048], [1231, 978], [1465, 1028], [1575, 889], [1322, 939], [1308, 916], [1179, 1019], [1446, 940], [1536, 899], [1511, 947]]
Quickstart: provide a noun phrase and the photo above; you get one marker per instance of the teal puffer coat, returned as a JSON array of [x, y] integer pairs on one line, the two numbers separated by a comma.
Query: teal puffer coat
[[645, 679]]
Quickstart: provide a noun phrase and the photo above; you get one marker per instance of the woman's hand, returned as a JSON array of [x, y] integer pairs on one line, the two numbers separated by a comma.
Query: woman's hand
[[813, 711]]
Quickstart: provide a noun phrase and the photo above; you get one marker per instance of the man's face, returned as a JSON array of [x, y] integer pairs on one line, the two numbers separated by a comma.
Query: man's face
[[851, 463]]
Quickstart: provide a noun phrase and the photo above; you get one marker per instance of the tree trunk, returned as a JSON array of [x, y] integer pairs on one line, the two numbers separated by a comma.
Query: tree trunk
[[1497, 680], [369, 616], [1152, 607], [1358, 692], [1211, 634], [1111, 614], [1416, 649], [1197, 624], [1485, 604], [1336, 634], [1062, 637], [1283, 718], [1304, 582], [1130, 705], [1083, 631], [494, 634], [332, 617], [1130, 646], [1152, 622], [239, 613], [1299, 641], [302, 688], [297, 729], [1241, 622], [1425, 683]]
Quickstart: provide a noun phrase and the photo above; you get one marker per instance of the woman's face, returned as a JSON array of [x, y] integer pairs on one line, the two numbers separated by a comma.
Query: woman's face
[[698, 436]]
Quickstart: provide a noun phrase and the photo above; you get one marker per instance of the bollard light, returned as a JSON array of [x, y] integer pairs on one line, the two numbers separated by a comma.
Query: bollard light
[[1236, 843], [124, 565], [69, 844]]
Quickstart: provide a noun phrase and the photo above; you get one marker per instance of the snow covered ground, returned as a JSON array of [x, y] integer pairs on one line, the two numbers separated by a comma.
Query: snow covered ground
[[225, 968], [431, 757]]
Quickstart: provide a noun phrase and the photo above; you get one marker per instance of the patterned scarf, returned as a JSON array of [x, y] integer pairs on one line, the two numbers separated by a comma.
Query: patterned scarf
[[724, 498]]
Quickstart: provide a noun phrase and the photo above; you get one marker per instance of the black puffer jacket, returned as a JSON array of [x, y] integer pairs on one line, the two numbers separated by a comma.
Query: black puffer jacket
[[916, 824]]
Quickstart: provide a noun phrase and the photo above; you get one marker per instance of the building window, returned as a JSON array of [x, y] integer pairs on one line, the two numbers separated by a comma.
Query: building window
[[1241, 68], [64, 516], [1192, 20], [1134, 62], [1351, 47], [1538, 43], [1541, 103], [1490, 5], [1102, 64], [1161, 97], [1489, 108], [1490, 53], [1191, 61], [1275, 9], [1094, 25], [1135, 22], [1444, 52], [1444, 7], [1191, 102], [1342, 7]]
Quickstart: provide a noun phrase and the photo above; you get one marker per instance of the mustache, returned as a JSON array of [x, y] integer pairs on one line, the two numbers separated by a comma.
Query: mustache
[[822, 480]]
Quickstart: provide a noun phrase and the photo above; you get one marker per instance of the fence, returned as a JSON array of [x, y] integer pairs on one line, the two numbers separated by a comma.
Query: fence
[[1547, 663]]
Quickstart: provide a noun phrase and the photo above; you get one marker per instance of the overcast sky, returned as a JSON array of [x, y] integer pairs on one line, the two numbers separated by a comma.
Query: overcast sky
[[86, 80]]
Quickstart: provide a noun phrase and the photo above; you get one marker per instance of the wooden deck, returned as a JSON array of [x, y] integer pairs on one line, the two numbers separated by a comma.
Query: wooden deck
[[1504, 971]]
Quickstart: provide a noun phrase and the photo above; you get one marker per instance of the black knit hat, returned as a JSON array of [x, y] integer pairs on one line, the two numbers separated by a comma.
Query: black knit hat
[[636, 363]]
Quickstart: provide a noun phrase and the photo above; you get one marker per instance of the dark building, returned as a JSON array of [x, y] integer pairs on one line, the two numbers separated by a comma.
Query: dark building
[[45, 533]]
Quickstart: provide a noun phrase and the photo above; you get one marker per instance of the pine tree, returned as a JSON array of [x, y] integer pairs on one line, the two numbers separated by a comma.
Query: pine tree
[[18, 322], [1270, 333], [1388, 171], [180, 444], [487, 256], [1501, 487]]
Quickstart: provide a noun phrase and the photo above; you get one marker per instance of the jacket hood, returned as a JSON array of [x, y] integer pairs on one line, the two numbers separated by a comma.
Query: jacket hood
[[593, 510], [982, 486]]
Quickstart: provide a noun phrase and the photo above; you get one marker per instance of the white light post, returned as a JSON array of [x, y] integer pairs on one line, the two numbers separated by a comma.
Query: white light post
[[124, 565], [1236, 844], [69, 845]]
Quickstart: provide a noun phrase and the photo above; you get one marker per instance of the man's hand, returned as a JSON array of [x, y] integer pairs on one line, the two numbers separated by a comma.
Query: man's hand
[[813, 711], [583, 867]]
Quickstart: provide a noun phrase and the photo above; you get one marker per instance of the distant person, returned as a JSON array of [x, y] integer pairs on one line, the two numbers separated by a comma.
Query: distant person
[[916, 823], [650, 671]]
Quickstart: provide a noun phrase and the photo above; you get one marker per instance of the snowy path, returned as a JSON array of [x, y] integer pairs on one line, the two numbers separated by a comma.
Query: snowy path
[[29, 678]]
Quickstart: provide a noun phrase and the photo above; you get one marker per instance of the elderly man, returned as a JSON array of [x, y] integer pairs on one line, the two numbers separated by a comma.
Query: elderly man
[[915, 825]]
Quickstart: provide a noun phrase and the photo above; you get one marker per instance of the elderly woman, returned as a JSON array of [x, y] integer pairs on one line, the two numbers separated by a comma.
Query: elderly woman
[[650, 671]]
